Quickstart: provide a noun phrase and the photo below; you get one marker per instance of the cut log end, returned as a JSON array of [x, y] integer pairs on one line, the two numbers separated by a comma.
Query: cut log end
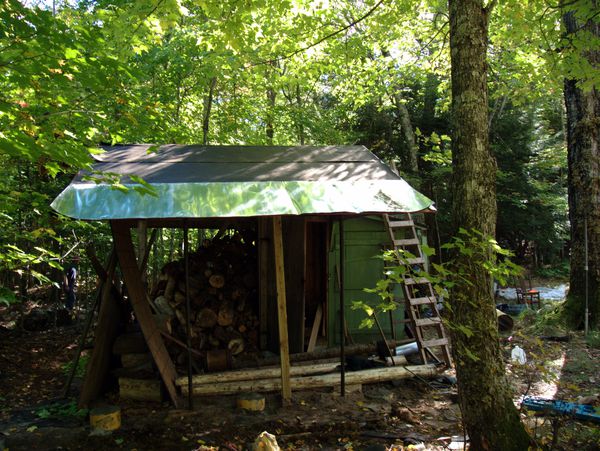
[[216, 281]]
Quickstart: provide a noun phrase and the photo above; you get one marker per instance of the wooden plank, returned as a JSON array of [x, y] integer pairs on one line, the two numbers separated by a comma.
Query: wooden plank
[[312, 342], [151, 242], [142, 234], [437, 342], [416, 281], [421, 322], [284, 352], [106, 332], [320, 353], [258, 373], [422, 301], [293, 236], [407, 242], [139, 389], [263, 280], [325, 380], [141, 308], [400, 224]]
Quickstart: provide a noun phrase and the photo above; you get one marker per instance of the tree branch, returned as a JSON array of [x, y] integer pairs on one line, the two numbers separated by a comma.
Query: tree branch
[[324, 38]]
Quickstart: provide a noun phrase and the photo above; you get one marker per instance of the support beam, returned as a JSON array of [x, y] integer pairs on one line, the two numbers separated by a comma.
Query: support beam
[[141, 307], [263, 285], [186, 257], [257, 373], [342, 314], [106, 332], [312, 342], [284, 351]]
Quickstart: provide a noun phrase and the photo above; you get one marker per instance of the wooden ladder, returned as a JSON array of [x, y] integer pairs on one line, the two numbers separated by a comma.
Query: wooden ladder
[[418, 292]]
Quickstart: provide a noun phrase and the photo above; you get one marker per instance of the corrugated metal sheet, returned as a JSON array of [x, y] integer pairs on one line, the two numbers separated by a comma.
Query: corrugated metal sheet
[[234, 181]]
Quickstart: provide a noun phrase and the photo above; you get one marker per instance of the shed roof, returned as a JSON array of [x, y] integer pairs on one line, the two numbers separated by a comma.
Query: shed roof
[[239, 181]]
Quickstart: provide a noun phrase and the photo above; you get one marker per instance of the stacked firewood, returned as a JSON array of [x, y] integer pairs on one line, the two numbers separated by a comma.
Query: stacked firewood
[[223, 295]]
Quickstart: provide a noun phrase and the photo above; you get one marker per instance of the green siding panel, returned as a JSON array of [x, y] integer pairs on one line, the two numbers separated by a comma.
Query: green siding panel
[[365, 239]]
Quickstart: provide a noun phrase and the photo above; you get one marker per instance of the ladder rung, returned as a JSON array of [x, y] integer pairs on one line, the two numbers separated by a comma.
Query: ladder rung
[[397, 224], [437, 342], [407, 242], [422, 301], [416, 281], [415, 261], [420, 322]]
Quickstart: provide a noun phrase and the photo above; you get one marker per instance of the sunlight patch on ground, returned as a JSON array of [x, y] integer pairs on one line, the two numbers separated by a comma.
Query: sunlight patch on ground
[[548, 389]]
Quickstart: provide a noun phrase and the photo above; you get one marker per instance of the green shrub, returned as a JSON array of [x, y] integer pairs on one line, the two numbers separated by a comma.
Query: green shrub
[[7, 297], [548, 320], [81, 366], [62, 409], [593, 339], [559, 271]]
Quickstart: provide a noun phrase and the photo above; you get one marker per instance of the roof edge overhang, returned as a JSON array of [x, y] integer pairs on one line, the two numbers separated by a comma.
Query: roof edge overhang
[[90, 201]]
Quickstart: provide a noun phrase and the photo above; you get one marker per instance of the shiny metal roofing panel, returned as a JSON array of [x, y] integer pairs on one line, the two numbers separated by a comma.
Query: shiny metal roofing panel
[[185, 172], [209, 182], [141, 153], [209, 200]]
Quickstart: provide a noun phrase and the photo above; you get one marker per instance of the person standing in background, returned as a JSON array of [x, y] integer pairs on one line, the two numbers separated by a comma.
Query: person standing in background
[[70, 284]]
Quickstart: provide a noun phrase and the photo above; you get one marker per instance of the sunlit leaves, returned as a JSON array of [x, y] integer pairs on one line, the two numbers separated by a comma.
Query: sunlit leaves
[[482, 252]]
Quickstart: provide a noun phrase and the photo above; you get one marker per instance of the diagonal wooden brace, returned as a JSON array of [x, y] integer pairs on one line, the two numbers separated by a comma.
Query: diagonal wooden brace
[[141, 307]]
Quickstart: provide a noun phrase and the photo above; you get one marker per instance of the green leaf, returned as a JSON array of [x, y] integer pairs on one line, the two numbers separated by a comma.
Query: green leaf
[[428, 251], [467, 332], [471, 356]]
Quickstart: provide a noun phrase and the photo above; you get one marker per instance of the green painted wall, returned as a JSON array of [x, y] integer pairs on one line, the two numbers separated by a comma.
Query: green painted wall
[[365, 238]]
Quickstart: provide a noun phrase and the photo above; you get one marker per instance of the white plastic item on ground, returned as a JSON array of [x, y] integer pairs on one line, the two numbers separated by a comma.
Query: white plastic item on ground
[[265, 442], [518, 355]]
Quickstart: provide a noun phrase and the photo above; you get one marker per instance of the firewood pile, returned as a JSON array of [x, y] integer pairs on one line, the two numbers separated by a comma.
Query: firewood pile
[[223, 297]]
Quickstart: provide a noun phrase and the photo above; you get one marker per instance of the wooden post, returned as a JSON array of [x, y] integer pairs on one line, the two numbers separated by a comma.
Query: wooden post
[[186, 256], [342, 314], [141, 307], [263, 286], [312, 342], [106, 332], [142, 234], [286, 390]]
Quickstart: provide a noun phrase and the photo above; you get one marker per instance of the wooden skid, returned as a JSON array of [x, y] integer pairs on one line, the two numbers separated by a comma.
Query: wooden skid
[[260, 373], [327, 380]]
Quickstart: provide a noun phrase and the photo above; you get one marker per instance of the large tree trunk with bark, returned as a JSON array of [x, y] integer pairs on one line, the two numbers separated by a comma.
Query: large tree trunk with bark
[[488, 412], [583, 150]]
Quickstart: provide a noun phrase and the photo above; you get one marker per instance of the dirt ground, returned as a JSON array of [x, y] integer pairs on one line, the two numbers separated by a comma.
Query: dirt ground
[[409, 414]]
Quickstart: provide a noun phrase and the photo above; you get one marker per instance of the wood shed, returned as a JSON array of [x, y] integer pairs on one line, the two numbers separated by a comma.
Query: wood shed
[[315, 220]]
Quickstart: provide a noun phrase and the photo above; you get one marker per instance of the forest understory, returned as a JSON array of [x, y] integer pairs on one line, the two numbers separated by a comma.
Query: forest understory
[[408, 414]]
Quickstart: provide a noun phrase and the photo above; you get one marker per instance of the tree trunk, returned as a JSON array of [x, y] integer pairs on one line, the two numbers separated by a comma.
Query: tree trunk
[[410, 155], [270, 129], [488, 413], [583, 151], [208, 100], [301, 133]]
